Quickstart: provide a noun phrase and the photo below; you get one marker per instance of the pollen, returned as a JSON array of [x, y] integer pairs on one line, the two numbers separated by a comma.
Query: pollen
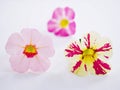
[[30, 51], [64, 23]]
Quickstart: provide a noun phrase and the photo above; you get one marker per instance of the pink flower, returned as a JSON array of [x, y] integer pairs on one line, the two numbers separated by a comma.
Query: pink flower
[[89, 55], [29, 51], [62, 22]]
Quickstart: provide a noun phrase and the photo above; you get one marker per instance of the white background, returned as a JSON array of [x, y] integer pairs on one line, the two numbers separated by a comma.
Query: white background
[[102, 16]]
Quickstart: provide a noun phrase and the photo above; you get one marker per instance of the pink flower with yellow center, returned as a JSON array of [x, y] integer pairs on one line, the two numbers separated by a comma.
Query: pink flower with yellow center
[[89, 55], [62, 22], [29, 51]]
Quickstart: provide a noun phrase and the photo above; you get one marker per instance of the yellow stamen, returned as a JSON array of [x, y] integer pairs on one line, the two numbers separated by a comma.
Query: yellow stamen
[[89, 56], [64, 23], [30, 50]]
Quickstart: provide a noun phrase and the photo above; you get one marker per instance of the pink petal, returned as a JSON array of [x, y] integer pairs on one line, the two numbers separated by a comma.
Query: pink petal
[[52, 26], [69, 13], [101, 67], [72, 27], [58, 13], [15, 44], [19, 63], [62, 32], [47, 51], [45, 46], [31, 35], [39, 64]]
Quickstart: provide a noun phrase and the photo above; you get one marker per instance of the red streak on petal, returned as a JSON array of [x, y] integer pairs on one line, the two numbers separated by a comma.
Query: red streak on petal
[[86, 44], [105, 65], [87, 41], [106, 47], [74, 50], [85, 67], [77, 65], [106, 57], [99, 65]]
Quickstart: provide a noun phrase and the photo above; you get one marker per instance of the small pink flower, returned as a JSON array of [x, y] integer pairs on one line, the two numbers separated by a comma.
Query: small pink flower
[[62, 22], [29, 51], [89, 55]]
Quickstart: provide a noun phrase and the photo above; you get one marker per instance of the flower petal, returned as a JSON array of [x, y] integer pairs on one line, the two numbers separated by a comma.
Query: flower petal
[[52, 26], [69, 13], [62, 32], [15, 44], [58, 13], [87, 40], [19, 63], [31, 35], [77, 65], [39, 64], [101, 67], [45, 46], [104, 55], [72, 28], [94, 39], [104, 49], [90, 40], [78, 68], [73, 49]]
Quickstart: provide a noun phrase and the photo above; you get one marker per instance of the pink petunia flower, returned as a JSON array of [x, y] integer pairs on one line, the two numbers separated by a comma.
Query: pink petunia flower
[[29, 50], [62, 22], [89, 55]]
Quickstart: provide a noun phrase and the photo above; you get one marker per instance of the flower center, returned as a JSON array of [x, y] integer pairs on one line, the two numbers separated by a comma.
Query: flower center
[[89, 56], [64, 23], [30, 51]]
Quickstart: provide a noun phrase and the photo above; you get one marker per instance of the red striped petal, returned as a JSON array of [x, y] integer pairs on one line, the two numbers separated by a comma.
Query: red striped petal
[[100, 67], [104, 48], [77, 65], [74, 49], [87, 41]]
